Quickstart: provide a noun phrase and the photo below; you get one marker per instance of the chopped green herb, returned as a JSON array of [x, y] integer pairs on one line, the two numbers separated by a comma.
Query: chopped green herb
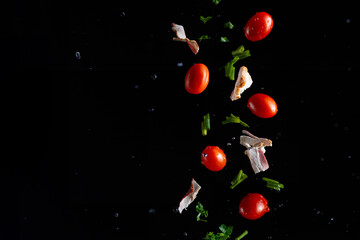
[[273, 184], [224, 39], [241, 53], [234, 119], [228, 25], [204, 37], [201, 212], [216, 2], [223, 235], [205, 19], [238, 54], [242, 235], [241, 176], [205, 124], [230, 69]]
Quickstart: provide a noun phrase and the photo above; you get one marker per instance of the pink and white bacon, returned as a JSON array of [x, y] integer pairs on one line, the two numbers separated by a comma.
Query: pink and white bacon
[[189, 196], [255, 150], [181, 36]]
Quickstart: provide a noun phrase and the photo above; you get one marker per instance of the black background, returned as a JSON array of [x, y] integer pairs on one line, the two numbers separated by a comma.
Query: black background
[[112, 140]]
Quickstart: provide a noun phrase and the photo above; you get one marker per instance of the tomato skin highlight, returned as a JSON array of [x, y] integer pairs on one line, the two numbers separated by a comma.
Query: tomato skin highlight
[[213, 158], [258, 26], [253, 206], [262, 105], [197, 78]]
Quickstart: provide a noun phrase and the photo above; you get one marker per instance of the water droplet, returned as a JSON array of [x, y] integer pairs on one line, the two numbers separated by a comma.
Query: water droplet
[[152, 211], [228, 144], [77, 55], [185, 234], [151, 109], [154, 76], [122, 14], [204, 155], [348, 20], [136, 86], [116, 215], [179, 64]]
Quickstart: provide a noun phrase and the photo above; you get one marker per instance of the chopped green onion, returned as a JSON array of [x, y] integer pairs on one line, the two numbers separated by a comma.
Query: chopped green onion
[[224, 39], [204, 37], [269, 180], [228, 25], [207, 121], [241, 53], [242, 235], [230, 69], [205, 125], [234, 119], [273, 184], [205, 19], [241, 176], [203, 129]]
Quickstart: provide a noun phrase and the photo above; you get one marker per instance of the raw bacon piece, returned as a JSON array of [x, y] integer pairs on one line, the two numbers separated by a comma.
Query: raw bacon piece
[[190, 195], [255, 150], [243, 82], [181, 36]]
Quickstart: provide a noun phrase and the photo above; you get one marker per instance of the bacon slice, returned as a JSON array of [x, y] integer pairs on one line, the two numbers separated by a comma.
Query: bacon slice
[[190, 195], [243, 82], [256, 150], [181, 36]]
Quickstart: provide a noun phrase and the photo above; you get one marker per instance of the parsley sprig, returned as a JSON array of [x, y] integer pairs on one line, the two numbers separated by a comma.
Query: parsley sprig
[[223, 235], [201, 212]]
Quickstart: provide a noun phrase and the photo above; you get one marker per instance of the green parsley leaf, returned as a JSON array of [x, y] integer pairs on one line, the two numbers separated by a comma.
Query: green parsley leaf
[[228, 25], [224, 39], [216, 2], [202, 212], [223, 235], [205, 19], [204, 37]]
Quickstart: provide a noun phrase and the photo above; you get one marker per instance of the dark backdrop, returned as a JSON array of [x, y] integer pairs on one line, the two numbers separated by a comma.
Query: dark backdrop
[[122, 137]]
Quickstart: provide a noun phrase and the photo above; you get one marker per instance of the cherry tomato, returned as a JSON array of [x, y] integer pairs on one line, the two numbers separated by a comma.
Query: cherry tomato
[[262, 105], [253, 206], [213, 158], [197, 78], [258, 26]]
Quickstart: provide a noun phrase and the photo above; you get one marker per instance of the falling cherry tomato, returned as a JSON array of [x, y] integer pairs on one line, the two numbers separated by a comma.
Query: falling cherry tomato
[[262, 105], [258, 26], [253, 206], [213, 158], [197, 78]]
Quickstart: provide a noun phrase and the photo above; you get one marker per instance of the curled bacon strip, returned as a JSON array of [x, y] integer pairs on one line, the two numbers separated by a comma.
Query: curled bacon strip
[[181, 36], [255, 150], [243, 82], [189, 196]]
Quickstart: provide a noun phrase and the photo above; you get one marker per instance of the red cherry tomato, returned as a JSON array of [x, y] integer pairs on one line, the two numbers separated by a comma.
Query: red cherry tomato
[[253, 206], [197, 78], [258, 26], [213, 158], [262, 105]]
